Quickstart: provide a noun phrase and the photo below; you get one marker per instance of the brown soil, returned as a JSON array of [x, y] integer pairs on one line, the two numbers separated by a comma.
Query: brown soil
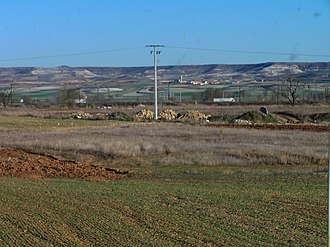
[[19, 163], [305, 127]]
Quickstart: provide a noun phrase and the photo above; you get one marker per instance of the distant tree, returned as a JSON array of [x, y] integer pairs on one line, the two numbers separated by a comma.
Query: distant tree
[[67, 96], [6, 96], [326, 94], [211, 93], [197, 96], [290, 89], [218, 93], [276, 93]]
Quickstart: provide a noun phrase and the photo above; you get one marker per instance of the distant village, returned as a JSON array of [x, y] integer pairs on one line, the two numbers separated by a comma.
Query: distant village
[[202, 82], [195, 82]]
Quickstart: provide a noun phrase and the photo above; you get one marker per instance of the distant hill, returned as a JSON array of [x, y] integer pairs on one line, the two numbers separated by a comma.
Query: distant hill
[[64, 75]]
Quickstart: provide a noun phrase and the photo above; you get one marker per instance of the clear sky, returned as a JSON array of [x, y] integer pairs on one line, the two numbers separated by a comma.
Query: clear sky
[[232, 30]]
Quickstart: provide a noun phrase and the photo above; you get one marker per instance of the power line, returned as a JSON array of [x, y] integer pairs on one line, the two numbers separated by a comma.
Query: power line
[[170, 47], [70, 54], [249, 52]]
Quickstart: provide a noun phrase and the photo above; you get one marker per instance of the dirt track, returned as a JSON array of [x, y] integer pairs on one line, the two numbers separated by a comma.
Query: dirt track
[[18, 163], [305, 127]]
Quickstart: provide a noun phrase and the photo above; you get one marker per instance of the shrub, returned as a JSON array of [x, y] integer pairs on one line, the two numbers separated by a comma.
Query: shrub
[[119, 116]]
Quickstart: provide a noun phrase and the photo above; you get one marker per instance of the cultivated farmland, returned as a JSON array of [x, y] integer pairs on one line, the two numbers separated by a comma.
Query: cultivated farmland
[[188, 184]]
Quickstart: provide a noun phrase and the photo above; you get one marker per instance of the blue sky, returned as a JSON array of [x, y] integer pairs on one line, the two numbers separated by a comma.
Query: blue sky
[[58, 27]]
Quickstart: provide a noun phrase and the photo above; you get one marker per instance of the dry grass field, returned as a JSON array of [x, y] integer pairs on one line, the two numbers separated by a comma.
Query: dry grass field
[[188, 184], [208, 109], [167, 144]]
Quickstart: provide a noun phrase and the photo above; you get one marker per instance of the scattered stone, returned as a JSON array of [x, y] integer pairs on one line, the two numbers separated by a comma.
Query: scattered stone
[[86, 115], [193, 116], [242, 121], [81, 115]]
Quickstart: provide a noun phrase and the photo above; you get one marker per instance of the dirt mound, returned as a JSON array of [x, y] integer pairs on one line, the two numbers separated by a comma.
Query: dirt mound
[[257, 117], [320, 117], [18, 163], [304, 127]]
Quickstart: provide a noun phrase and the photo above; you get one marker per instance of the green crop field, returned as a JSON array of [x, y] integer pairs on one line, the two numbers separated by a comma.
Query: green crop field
[[177, 208], [188, 185], [247, 92]]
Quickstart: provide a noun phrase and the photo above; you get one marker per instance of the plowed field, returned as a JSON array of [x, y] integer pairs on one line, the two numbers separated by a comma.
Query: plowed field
[[18, 163]]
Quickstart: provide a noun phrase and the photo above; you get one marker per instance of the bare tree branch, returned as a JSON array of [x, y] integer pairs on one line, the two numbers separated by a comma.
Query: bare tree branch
[[290, 88]]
